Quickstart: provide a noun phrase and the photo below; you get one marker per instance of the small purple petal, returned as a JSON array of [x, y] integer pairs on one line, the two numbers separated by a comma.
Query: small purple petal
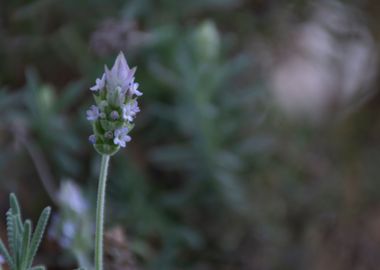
[[99, 83], [121, 68], [133, 89], [92, 139]]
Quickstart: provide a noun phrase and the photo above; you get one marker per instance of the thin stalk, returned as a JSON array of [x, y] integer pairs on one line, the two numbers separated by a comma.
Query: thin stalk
[[100, 204]]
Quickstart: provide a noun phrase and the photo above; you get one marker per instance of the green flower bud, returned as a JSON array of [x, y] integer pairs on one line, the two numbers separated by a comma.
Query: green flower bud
[[207, 41]]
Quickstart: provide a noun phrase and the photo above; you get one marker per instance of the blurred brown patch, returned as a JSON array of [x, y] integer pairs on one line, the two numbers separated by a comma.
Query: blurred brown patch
[[349, 244], [118, 254]]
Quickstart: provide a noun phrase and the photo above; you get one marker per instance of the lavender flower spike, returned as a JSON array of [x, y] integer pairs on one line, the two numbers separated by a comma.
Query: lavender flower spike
[[112, 117], [121, 136]]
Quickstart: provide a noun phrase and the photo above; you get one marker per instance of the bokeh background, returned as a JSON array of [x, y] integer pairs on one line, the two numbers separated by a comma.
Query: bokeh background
[[257, 146]]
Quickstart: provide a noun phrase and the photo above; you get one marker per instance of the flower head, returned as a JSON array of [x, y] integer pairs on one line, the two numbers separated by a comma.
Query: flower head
[[116, 107]]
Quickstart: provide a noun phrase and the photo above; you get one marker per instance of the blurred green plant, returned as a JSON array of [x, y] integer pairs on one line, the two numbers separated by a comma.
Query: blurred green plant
[[195, 138]]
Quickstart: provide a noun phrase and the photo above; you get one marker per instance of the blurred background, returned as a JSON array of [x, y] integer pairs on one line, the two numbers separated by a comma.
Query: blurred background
[[257, 146]]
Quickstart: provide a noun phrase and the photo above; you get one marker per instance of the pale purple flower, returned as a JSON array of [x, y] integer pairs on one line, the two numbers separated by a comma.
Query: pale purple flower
[[70, 195], [133, 88], [68, 229], [93, 113], [92, 139], [130, 110], [120, 75], [121, 136], [99, 83]]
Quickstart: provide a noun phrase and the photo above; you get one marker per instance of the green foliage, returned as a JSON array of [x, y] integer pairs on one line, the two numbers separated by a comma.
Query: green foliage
[[22, 242], [212, 179]]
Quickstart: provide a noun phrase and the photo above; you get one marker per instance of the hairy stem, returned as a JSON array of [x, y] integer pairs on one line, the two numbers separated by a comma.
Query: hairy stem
[[100, 212]]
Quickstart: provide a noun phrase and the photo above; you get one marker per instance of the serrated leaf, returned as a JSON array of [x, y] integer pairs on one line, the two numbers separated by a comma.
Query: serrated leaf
[[15, 206], [17, 241], [37, 235], [10, 232]]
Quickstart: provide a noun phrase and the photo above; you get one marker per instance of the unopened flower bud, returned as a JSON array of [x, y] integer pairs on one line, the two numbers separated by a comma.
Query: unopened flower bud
[[108, 134], [114, 115], [207, 41]]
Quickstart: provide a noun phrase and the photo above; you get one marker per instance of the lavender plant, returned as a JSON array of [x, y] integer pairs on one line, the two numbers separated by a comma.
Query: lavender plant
[[115, 94], [23, 244]]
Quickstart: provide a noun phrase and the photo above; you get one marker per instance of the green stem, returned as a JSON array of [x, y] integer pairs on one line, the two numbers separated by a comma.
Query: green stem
[[100, 213]]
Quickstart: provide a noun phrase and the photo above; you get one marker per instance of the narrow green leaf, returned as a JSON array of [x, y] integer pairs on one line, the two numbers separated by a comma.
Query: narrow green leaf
[[17, 241], [6, 255], [25, 243], [15, 206], [37, 235]]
